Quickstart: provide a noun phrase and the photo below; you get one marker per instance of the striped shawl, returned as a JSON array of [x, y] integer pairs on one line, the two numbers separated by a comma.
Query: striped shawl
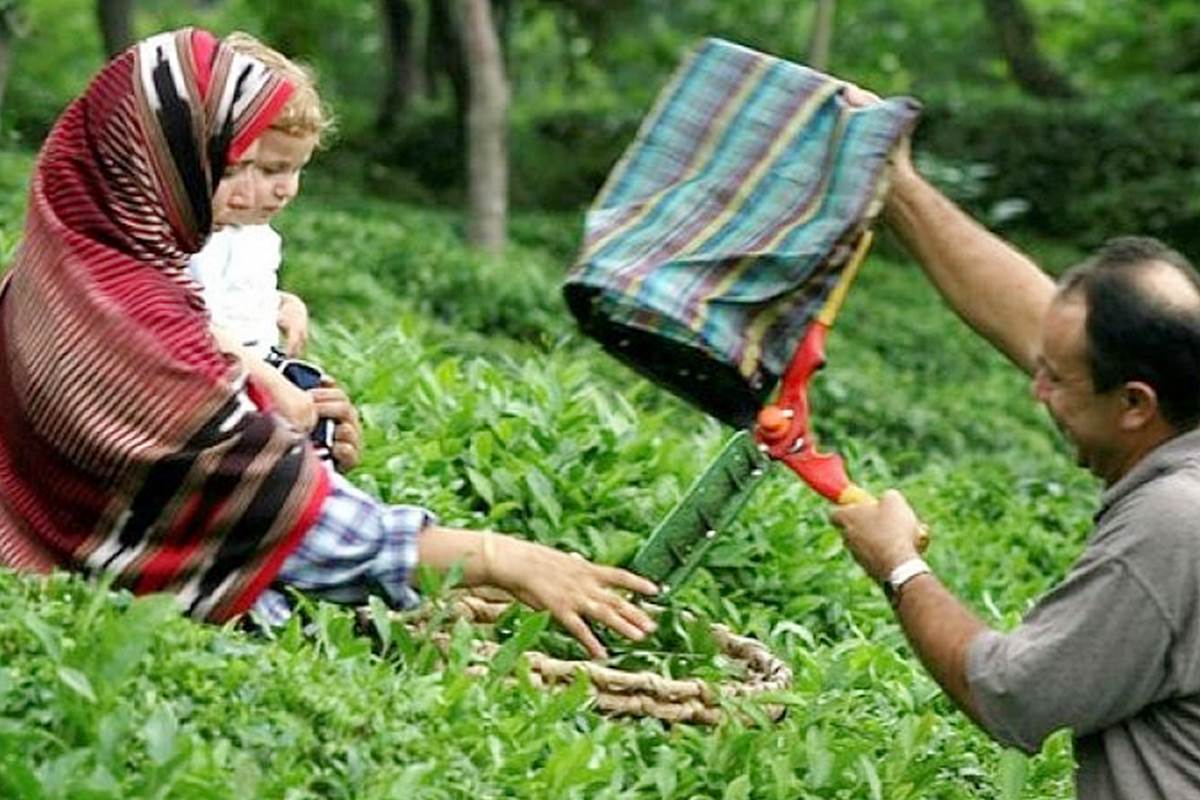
[[724, 226], [129, 444]]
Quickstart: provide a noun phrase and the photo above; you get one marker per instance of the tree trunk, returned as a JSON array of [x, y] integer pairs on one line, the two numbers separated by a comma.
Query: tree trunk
[[1018, 41], [821, 41], [116, 24], [418, 44], [487, 153], [444, 51], [397, 18]]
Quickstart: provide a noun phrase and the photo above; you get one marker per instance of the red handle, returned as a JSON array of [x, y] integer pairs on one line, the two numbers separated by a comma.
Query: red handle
[[783, 427]]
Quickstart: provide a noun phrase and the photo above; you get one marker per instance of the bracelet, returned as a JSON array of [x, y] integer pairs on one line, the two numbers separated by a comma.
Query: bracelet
[[902, 574], [487, 555]]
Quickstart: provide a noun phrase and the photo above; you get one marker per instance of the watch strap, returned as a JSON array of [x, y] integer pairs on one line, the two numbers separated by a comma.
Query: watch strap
[[902, 574]]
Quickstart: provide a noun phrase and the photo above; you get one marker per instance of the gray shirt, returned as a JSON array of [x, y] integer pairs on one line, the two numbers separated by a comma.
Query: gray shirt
[[1113, 652]]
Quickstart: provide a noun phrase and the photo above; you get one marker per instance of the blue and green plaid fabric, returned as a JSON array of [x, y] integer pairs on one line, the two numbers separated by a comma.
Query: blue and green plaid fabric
[[722, 229]]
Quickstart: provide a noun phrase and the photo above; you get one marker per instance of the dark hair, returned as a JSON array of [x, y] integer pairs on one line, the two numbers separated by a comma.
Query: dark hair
[[1135, 331]]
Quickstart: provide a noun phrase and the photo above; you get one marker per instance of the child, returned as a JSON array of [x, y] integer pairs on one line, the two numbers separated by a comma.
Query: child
[[238, 267]]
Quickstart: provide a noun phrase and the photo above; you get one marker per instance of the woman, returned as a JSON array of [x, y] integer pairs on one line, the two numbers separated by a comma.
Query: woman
[[130, 445]]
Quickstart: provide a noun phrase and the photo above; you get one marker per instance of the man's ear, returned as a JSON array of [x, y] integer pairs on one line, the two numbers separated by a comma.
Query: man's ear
[[1139, 405]]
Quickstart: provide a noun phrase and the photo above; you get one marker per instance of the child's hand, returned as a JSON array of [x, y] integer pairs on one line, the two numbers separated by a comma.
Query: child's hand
[[293, 404], [331, 401], [293, 323]]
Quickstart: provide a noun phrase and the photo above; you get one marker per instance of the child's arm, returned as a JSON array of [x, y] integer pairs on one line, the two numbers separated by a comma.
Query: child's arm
[[293, 323], [290, 401]]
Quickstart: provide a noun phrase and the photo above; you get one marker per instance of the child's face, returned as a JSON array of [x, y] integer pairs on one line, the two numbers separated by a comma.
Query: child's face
[[281, 158], [234, 200]]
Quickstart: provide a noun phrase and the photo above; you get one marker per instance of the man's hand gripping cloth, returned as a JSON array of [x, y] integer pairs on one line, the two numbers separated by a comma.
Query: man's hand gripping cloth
[[129, 444], [725, 225]]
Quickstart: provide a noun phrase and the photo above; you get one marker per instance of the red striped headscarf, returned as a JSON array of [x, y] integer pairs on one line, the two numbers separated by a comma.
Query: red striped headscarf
[[129, 444]]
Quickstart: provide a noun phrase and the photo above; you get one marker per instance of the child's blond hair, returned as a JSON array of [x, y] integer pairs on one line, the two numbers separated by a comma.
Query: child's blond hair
[[304, 114]]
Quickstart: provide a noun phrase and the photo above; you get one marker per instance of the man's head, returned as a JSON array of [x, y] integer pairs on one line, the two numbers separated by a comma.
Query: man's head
[[1120, 364], [286, 146]]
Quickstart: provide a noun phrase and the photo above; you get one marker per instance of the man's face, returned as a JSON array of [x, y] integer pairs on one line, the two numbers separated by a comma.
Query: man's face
[[281, 158], [234, 199], [1063, 383]]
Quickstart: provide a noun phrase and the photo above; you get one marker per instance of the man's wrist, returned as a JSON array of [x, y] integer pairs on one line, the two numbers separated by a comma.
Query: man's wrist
[[900, 575]]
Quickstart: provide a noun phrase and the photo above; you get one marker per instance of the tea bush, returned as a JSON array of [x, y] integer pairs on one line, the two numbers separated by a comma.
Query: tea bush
[[1082, 170]]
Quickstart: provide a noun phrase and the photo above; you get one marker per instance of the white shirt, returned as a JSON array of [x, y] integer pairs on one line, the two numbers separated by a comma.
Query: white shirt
[[238, 269]]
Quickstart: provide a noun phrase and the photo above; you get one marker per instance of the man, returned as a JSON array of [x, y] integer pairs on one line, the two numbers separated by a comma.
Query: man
[[1113, 651]]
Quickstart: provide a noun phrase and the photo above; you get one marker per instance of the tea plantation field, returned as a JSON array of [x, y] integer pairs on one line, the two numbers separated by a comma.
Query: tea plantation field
[[481, 401]]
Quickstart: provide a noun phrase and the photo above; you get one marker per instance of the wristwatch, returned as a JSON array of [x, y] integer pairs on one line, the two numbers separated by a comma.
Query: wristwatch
[[901, 575]]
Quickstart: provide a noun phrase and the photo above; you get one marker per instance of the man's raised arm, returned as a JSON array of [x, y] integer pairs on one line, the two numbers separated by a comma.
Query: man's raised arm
[[994, 287]]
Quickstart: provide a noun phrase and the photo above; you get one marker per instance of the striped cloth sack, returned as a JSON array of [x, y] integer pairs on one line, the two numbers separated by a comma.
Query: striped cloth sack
[[725, 225]]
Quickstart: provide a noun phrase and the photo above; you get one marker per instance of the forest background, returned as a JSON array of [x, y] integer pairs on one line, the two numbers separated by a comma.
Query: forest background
[[1071, 118]]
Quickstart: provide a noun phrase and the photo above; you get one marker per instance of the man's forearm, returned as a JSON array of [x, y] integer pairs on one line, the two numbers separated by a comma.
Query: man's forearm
[[940, 630], [996, 289]]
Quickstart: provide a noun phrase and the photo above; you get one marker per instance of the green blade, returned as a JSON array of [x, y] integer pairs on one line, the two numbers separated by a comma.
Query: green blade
[[679, 543]]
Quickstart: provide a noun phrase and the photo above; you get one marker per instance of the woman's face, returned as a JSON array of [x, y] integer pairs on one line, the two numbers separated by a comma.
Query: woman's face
[[234, 200]]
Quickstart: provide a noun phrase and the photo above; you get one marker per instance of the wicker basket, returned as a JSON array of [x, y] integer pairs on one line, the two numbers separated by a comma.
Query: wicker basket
[[622, 693]]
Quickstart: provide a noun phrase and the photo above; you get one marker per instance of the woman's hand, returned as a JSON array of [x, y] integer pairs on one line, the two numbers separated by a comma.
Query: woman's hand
[[292, 323], [331, 401], [571, 588]]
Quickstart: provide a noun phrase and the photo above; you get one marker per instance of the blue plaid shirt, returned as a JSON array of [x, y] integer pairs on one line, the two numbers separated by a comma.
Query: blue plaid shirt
[[359, 546]]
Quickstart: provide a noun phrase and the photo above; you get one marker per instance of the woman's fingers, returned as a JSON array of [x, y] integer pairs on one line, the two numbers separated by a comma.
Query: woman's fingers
[[332, 402], [600, 603], [622, 621], [573, 589], [347, 445], [583, 634], [637, 616], [345, 456], [625, 579]]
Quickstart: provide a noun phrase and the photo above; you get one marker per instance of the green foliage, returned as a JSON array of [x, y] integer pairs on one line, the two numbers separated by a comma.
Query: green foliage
[[1084, 170], [51, 63], [342, 40], [14, 179], [398, 251], [481, 402], [1125, 43], [559, 156]]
